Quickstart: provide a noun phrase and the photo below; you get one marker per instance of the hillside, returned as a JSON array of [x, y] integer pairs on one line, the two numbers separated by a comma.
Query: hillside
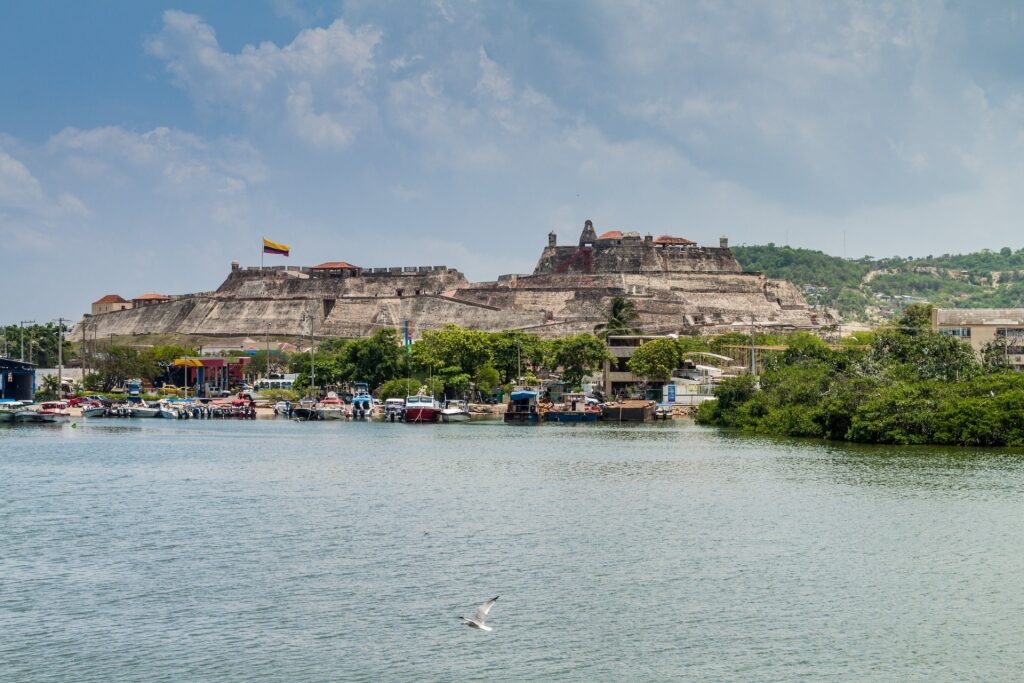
[[876, 289]]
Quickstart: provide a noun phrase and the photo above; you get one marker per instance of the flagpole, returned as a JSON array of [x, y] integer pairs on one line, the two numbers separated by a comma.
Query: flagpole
[[261, 254]]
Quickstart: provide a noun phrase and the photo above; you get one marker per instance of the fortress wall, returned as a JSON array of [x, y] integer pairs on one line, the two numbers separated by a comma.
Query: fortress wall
[[333, 287], [635, 257]]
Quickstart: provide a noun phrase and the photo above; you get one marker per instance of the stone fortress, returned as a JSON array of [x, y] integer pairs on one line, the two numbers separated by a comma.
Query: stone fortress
[[676, 285]]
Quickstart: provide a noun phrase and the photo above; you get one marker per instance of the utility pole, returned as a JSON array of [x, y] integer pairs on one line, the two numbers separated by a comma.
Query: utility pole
[[312, 356], [23, 323], [267, 336], [60, 358], [753, 363]]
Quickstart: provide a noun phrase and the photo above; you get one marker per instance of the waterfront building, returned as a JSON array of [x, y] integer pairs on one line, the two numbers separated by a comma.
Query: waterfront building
[[149, 300], [110, 303], [981, 326], [17, 379]]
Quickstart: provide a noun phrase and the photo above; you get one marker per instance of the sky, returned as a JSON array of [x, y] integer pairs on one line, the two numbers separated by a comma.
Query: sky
[[146, 145]]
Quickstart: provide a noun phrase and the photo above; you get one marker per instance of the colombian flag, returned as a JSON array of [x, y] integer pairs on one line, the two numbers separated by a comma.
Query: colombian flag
[[274, 247]]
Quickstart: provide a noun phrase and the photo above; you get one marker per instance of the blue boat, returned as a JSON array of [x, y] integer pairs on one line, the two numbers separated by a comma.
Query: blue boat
[[362, 402], [522, 407], [574, 409]]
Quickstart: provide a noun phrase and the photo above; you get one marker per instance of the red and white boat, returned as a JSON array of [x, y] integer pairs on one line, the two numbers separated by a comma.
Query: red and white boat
[[49, 412], [422, 408], [331, 407]]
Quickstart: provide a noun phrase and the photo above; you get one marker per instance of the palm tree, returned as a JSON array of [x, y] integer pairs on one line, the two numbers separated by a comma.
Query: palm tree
[[621, 316]]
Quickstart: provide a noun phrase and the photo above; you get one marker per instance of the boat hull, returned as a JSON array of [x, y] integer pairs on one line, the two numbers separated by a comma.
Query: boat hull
[[94, 412], [331, 413], [524, 418], [570, 416], [304, 414], [456, 417], [422, 414]]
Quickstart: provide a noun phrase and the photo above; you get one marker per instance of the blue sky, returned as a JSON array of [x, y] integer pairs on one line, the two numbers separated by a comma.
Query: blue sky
[[143, 145]]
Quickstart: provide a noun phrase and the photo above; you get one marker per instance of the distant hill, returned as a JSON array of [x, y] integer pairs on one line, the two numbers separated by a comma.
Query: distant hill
[[876, 289]]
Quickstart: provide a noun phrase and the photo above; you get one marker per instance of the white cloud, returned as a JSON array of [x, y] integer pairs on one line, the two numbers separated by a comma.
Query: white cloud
[[18, 187], [273, 84], [320, 129]]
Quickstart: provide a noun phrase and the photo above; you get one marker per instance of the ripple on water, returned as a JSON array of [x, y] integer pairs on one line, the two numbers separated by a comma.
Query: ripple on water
[[274, 550]]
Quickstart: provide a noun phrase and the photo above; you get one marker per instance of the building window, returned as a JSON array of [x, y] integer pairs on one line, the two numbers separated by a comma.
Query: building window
[[961, 332], [1010, 332]]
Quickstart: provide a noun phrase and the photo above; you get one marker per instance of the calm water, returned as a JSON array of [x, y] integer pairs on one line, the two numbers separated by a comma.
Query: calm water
[[278, 551]]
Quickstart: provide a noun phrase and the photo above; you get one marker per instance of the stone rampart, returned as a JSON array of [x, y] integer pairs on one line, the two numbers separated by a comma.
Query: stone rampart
[[676, 287]]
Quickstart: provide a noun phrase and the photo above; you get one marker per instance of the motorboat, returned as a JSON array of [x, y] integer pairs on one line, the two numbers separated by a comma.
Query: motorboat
[[455, 411], [49, 412], [362, 402], [394, 410], [168, 410], [8, 409], [94, 410], [305, 410], [331, 407], [283, 408], [422, 408], [143, 409]]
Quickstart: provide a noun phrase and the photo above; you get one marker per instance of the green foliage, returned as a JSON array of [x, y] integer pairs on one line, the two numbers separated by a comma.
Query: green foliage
[[487, 379], [399, 388], [275, 395], [119, 363], [453, 354], [622, 316], [910, 386], [513, 351], [40, 344], [578, 356], [656, 359], [984, 279]]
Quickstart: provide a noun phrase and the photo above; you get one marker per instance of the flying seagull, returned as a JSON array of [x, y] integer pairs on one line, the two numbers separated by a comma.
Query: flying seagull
[[477, 620]]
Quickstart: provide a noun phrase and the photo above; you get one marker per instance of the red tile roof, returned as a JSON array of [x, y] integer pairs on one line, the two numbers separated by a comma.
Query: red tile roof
[[336, 265], [111, 299], [610, 235], [669, 239], [152, 297]]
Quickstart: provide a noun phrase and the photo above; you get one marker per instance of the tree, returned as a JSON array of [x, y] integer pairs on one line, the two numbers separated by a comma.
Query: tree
[[622, 315], [119, 363], [656, 359], [376, 359], [578, 356], [453, 354], [513, 351]]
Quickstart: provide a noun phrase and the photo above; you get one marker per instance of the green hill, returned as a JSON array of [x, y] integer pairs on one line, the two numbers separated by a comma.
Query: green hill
[[868, 288]]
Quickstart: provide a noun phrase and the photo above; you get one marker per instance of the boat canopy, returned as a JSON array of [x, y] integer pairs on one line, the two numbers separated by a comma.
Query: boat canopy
[[522, 395]]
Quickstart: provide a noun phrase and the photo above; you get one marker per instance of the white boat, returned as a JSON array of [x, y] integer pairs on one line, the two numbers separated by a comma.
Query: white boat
[[394, 409], [422, 408], [94, 411], [143, 410], [52, 411], [8, 409], [283, 408], [168, 411], [331, 407], [455, 411]]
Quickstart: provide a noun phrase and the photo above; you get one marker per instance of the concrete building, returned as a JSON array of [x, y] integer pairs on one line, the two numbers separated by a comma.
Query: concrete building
[[981, 326], [690, 384], [110, 303]]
